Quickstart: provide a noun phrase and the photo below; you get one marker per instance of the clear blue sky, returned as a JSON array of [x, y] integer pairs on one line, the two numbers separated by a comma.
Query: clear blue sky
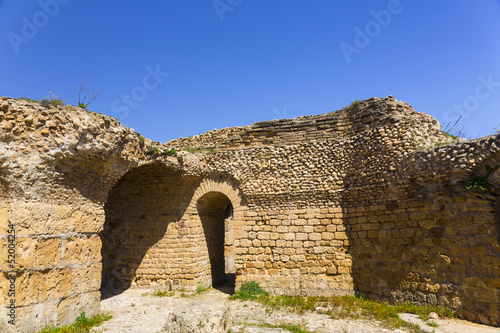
[[235, 62]]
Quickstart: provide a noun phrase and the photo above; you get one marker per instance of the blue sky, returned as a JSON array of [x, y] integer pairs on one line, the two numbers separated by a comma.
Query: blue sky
[[178, 68]]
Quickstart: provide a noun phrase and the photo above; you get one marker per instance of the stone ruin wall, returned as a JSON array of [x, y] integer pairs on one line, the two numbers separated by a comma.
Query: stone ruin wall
[[320, 205]]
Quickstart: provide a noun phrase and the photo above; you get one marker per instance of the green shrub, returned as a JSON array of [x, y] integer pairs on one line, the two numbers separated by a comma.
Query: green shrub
[[155, 151], [249, 290]]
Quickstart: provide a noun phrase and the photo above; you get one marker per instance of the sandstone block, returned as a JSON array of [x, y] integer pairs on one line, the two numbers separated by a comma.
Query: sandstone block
[[38, 252], [314, 236], [86, 278], [38, 286], [301, 236], [88, 220], [40, 218], [82, 250]]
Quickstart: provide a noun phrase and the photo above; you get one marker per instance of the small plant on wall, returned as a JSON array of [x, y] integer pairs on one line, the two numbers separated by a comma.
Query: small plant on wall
[[496, 129], [480, 183], [83, 102], [354, 105]]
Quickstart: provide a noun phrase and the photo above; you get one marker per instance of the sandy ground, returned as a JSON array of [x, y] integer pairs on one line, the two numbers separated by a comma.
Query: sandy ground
[[137, 311]]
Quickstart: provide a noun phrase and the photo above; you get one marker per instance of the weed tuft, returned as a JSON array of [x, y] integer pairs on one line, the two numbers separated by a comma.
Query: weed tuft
[[480, 183], [162, 293], [355, 307], [496, 129], [52, 100], [431, 323], [30, 99], [82, 324], [289, 327], [249, 290], [354, 106], [201, 289]]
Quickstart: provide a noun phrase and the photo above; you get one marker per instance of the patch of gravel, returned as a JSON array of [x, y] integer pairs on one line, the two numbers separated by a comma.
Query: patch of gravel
[[137, 311]]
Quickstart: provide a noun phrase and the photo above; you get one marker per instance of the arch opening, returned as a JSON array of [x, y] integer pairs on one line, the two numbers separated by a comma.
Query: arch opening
[[216, 214], [141, 209]]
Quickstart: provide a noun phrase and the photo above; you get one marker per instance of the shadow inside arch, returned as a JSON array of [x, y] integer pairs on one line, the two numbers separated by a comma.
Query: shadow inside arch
[[216, 214], [139, 209]]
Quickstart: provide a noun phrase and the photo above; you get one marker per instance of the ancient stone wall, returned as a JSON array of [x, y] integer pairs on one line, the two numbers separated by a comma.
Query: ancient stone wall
[[210, 139], [57, 165], [428, 239], [369, 198], [372, 210]]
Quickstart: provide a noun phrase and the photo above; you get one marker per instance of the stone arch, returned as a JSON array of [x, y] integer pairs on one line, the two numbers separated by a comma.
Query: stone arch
[[142, 236], [219, 206], [216, 183]]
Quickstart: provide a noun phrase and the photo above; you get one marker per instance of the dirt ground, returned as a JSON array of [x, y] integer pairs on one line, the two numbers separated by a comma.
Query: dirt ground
[[137, 311]]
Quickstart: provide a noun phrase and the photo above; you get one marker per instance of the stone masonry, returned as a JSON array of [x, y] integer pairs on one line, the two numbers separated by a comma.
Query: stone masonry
[[370, 198]]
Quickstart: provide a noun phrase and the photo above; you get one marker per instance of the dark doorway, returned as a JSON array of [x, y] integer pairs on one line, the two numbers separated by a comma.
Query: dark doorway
[[216, 213]]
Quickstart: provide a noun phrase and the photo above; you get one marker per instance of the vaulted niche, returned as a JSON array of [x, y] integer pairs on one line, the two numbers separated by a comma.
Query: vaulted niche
[[136, 246]]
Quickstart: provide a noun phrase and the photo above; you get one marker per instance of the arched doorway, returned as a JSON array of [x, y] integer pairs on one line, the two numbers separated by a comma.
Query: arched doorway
[[143, 235], [216, 214], [167, 229], [217, 206]]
